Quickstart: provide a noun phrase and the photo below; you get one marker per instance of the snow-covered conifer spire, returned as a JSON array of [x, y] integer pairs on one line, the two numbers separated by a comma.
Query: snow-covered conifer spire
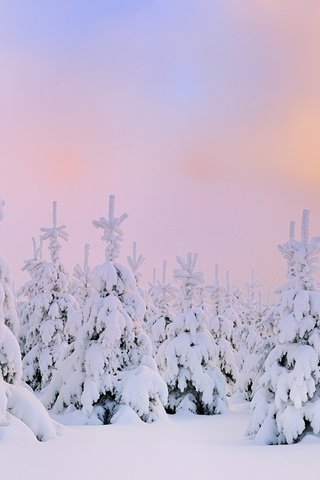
[[53, 233], [154, 276], [188, 277], [301, 255], [40, 249], [35, 249], [82, 273], [81, 286], [292, 228], [268, 298], [164, 271], [135, 261], [112, 233], [305, 226], [288, 249], [260, 299], [162, 292], [36, 255], [216, 274], [251, 288]]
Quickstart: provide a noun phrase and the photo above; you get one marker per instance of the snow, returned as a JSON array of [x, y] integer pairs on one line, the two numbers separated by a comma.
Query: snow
[[186, 446], [106, 374], [50, 316], [187, 359], [110, 361], [285, 406], [23, 404]]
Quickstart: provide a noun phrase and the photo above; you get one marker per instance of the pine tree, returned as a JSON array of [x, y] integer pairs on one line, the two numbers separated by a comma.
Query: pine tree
[[286, 405], [152, 311], [29, 290], [81, 287], [222, 324], [188, 358], [49, 314], [161, 295], [111, 373], [135, 261], [15, 399], [235, 311], [257, 342], [7, 297]]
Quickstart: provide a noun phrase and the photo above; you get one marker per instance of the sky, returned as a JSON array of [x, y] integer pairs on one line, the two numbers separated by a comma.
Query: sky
[[201, 116]]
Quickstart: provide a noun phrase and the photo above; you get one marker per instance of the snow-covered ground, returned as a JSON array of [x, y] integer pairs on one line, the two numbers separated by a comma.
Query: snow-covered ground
[[183, 447]]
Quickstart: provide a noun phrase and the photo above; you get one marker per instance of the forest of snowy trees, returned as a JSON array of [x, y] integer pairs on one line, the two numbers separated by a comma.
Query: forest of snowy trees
[[106, 344]]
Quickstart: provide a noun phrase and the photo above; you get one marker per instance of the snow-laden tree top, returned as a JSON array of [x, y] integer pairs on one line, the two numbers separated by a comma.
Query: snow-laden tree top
[[82, 272], [135, 261], [53, 233], [301, 255], [188, 278], [252, 287], [37, 255], [162, 292], [286, 404], [111, 230]]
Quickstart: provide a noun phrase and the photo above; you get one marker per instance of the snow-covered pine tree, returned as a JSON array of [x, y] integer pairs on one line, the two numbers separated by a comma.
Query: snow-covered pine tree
[[15, 399], [80, 286], [287, 403], [187, 359], [235, 311], [49, 314], [135, 261], [221, 325], [29, 290], [151, 312], [111, 373], [257, 342], [162, 295], [7, 297]]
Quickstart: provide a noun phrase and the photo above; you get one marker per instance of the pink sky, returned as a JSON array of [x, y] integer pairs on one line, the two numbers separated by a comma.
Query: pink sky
[[202, 117]]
